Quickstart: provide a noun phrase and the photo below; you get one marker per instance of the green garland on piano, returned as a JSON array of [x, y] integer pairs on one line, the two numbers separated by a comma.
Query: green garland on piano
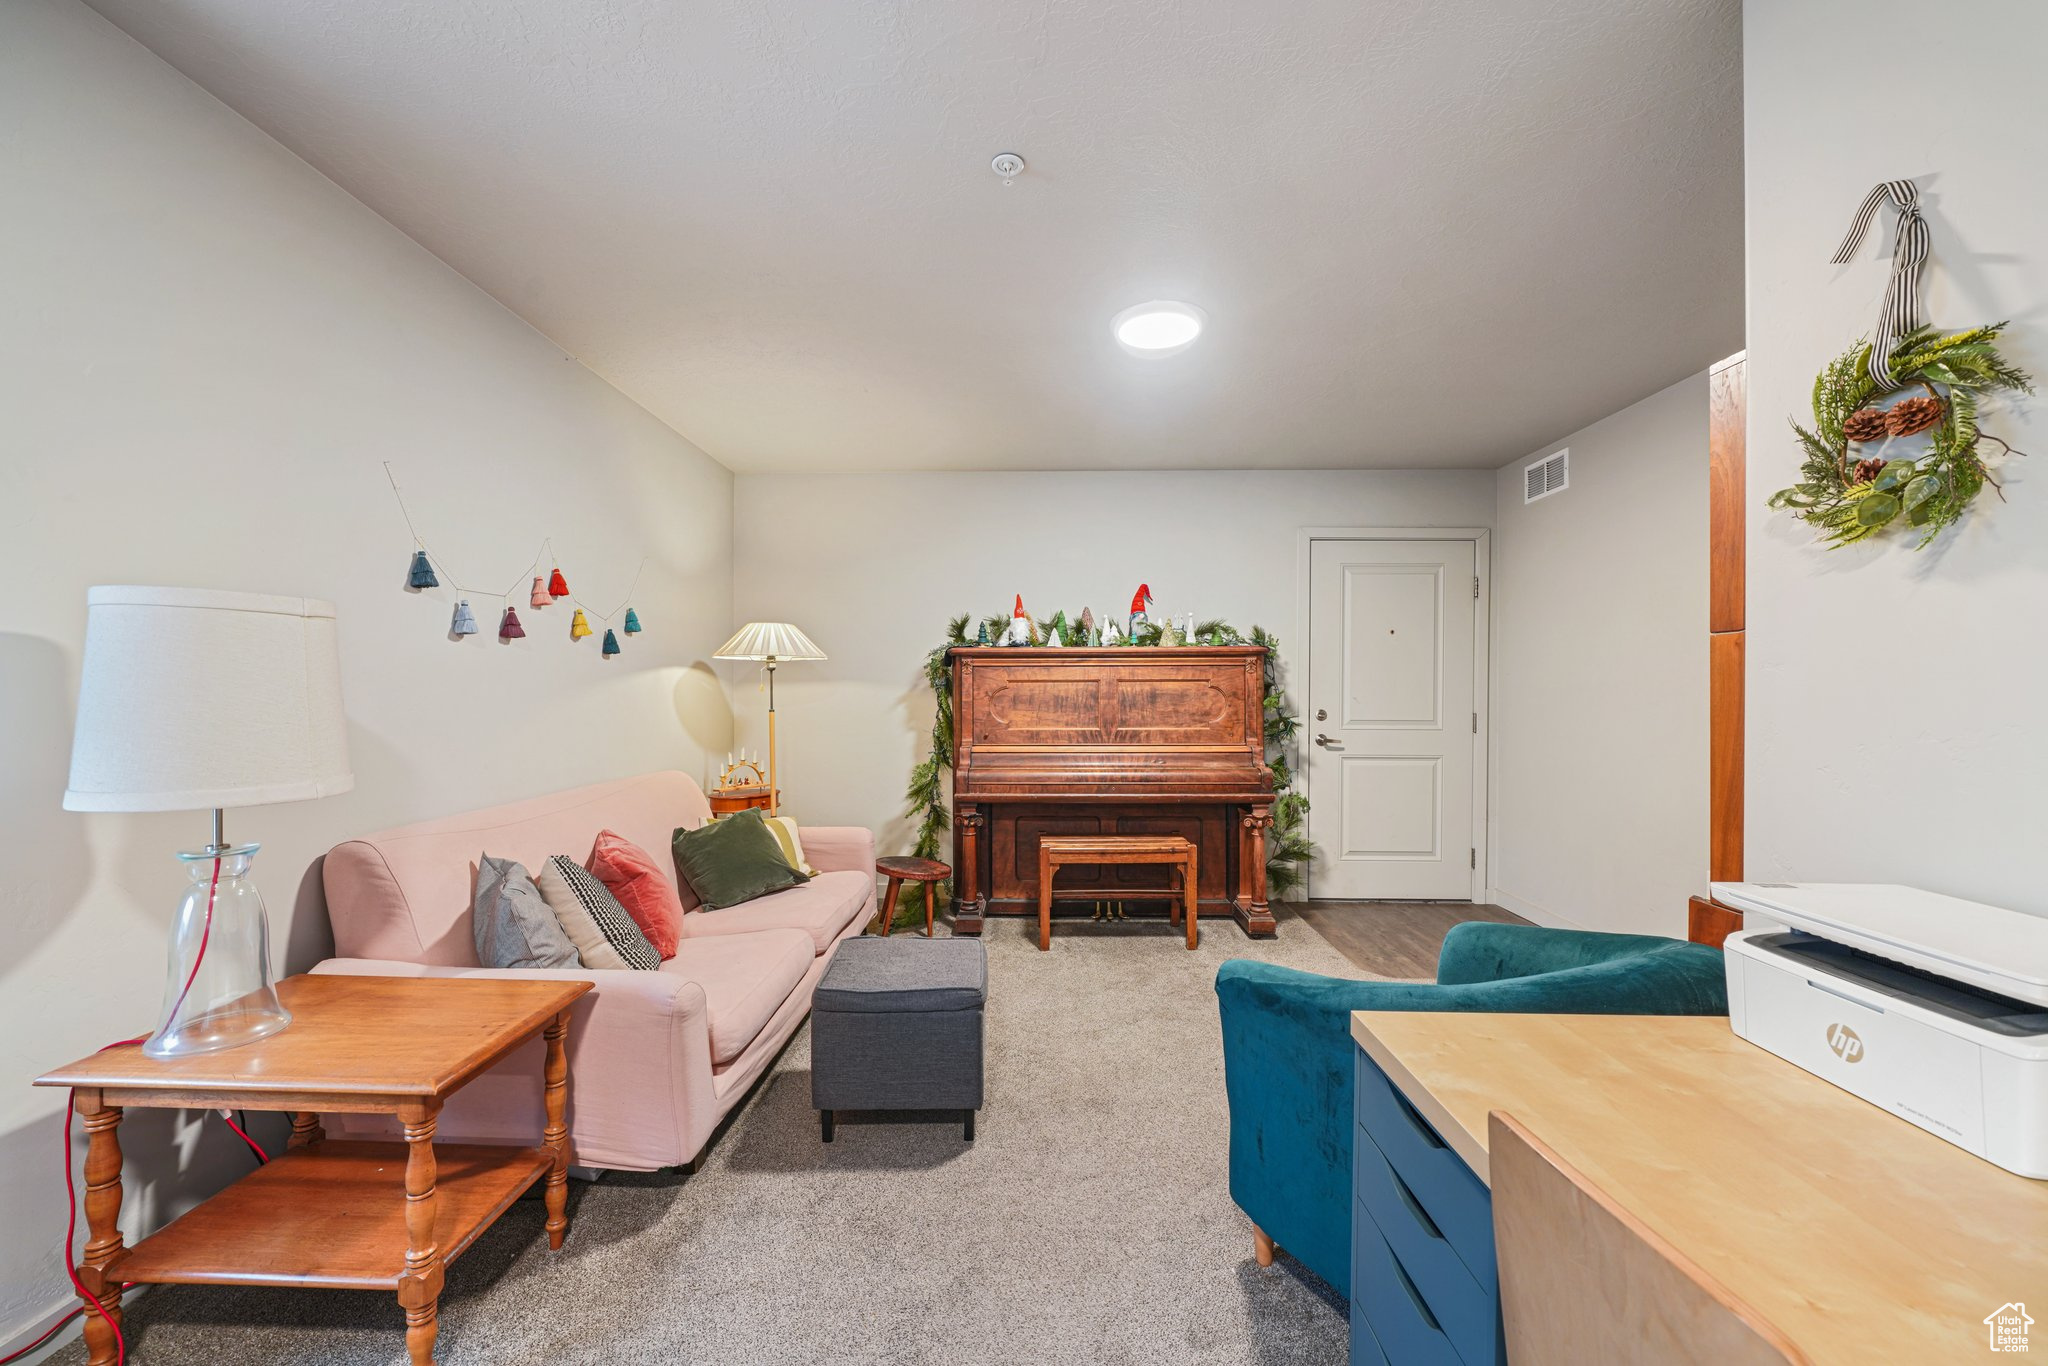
[[1287, 845]]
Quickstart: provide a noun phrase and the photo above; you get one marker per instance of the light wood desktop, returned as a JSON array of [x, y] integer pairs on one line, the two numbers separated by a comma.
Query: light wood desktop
[[1851, 1233]]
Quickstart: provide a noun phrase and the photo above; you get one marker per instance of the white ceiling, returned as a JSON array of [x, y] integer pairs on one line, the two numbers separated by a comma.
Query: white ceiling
[[1426, 232]]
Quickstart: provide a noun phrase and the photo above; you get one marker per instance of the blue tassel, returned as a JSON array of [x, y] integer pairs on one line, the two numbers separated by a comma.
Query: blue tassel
[[465, 620], [611, 643], [422, 575], [632, 622]]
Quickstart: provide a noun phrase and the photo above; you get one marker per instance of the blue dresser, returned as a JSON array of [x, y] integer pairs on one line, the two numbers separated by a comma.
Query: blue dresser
[[1424, 1291]]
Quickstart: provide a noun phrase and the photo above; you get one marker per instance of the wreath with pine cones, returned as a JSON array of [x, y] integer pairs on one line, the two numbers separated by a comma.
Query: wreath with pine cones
[[1849, 490]]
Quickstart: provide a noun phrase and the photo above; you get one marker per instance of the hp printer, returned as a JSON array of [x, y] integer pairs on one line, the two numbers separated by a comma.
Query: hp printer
[[1932, 1007]]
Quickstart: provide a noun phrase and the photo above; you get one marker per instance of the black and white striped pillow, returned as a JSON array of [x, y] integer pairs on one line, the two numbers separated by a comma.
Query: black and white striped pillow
[[601, 906]]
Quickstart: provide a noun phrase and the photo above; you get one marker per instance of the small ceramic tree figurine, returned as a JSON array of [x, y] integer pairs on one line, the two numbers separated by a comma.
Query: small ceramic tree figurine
[[1112, 634]]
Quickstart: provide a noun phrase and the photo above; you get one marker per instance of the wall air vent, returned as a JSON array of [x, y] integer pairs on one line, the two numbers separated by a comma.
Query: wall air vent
[[1551, 474]]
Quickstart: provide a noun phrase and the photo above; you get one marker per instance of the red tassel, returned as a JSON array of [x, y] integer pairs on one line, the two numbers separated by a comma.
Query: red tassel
[[558, 587]]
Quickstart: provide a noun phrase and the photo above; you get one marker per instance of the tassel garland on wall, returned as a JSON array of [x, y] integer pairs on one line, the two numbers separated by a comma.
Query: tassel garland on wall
[[427, 569]]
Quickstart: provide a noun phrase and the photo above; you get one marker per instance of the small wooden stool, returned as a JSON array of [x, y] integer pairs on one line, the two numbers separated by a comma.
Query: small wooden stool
[[1113, 850], [902, 870]]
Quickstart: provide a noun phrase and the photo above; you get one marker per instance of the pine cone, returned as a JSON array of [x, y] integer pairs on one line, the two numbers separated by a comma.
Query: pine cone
[[1867, 470], [1913, 415], [1866, 424]]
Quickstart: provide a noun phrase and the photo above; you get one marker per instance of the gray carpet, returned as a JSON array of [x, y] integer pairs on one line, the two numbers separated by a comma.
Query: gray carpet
[[1089, 1222]]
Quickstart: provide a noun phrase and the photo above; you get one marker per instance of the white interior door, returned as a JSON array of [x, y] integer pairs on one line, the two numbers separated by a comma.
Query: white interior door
[[1391, 719]]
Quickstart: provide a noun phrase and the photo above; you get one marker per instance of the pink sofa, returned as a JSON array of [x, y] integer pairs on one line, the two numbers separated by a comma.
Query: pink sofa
[[656, 1059]]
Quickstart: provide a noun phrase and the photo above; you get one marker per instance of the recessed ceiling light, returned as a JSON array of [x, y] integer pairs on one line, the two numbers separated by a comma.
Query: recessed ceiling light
[[1159, 328]]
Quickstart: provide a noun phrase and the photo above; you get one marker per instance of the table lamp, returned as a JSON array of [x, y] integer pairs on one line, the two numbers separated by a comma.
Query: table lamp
[[772, 643], [192, 700]]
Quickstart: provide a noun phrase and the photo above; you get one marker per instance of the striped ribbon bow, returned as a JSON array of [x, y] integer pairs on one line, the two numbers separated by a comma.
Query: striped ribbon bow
[[1901, 311]]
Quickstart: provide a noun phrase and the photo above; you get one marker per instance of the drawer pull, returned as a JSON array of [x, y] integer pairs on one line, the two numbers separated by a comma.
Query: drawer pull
[[1415, 1207], [1415, 1118], [1414, 1295]]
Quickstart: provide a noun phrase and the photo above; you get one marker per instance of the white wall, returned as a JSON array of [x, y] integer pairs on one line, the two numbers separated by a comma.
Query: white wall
[[1600, 675], [874, 566], [1896, 729], [208, 349]]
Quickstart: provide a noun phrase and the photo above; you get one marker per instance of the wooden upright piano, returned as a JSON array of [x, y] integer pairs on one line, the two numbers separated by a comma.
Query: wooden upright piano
[[1128, 740]]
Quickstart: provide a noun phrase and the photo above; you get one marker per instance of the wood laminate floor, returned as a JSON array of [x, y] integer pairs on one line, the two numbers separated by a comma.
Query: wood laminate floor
[[1393, 938]]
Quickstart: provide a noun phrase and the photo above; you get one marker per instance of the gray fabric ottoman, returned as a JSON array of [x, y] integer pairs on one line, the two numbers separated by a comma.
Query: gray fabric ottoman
[[896, 1024]]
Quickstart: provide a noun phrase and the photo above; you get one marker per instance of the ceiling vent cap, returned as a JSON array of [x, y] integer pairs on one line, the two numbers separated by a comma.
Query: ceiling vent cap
[[1551, 474]]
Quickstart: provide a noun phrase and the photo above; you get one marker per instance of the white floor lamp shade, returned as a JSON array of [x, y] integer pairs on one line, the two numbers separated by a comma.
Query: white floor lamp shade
[[194, 699]]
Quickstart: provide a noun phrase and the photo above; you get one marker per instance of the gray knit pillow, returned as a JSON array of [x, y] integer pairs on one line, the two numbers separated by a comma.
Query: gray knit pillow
[[513, 925]]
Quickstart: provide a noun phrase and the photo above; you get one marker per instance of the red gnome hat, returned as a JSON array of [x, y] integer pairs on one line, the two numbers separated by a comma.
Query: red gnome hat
[[1018, 610], [1141, 598]]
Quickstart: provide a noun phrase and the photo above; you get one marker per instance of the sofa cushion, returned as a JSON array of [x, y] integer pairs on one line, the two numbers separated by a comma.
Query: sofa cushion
[[732, 860], [604, 935], [745, 977], [514, 926], [630, 873], [821, 908]]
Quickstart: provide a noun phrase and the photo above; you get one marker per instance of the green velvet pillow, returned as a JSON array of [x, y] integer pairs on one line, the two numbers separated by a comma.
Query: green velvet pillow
[[733, 860]]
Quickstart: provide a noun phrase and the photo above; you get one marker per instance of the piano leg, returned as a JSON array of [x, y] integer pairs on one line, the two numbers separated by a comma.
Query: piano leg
[[1250, 908], [969, 904]]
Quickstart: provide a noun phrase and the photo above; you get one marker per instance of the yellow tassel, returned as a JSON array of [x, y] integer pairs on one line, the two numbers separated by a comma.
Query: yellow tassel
[[579, 626]]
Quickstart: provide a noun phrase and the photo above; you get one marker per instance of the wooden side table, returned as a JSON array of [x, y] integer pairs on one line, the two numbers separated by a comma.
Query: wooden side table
[[726, 800], [929, 871], [1113, 850], [326, 1213]]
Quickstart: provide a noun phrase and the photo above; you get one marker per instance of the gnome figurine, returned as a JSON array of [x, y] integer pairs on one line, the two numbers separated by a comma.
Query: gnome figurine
[[1018, 632], [1140, 600]]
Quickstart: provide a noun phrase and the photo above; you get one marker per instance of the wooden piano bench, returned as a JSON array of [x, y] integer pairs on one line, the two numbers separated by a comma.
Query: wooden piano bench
[[1112, 851]]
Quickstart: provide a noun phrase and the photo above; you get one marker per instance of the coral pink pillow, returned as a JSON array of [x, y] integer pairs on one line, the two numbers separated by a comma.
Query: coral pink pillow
[[636, 880]]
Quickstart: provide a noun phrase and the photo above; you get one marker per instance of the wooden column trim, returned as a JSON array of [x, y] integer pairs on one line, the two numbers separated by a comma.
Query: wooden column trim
[[1707, 921]]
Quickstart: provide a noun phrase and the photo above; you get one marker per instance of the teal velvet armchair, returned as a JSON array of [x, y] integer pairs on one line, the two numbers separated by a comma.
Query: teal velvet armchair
[[1288, 1053]]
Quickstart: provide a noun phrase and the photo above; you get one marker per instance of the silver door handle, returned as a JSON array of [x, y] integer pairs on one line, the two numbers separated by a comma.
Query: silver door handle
[[1327, 743]]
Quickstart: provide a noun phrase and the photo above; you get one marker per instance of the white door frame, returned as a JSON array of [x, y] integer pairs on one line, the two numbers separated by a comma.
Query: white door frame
[[1482, 615]]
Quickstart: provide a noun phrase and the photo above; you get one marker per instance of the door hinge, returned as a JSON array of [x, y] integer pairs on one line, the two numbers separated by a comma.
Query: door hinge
[[1475, 587], [1475, 723], [1475, 860]]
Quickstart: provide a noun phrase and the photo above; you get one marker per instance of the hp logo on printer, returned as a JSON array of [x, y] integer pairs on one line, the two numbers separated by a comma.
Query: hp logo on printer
[[1848, 1047]]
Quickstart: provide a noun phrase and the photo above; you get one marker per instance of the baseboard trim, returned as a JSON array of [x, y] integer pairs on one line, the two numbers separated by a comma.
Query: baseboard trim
[[1529, 910]]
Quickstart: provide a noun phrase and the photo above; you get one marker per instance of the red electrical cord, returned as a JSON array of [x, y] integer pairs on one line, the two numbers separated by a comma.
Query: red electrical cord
[[71, 1190]]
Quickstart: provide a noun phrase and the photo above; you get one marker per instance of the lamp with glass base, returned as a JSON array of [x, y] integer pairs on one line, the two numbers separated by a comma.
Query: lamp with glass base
[[771, 643], [192, 699]]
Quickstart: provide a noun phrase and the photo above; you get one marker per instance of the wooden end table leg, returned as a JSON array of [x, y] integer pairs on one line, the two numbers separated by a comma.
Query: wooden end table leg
[[556, 1101], [1045, 871], [305, 1129], [889, 903], [419, 1289], [102, 1222], [1191, 890], [931, 903]]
